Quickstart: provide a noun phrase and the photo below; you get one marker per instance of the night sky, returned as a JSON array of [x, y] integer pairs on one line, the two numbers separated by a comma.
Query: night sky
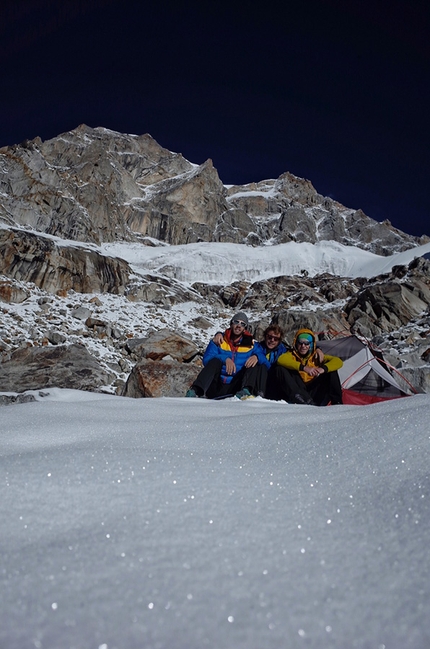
[[336, 91]]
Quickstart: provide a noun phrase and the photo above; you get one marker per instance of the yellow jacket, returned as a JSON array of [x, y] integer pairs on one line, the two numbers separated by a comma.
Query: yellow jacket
[[293, 361]]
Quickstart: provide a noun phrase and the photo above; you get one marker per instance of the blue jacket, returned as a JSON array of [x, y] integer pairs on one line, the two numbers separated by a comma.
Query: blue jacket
[[239, 354], [271, 356]]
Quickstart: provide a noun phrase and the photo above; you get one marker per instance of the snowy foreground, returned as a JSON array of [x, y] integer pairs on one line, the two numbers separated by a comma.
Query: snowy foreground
[[186, 523]]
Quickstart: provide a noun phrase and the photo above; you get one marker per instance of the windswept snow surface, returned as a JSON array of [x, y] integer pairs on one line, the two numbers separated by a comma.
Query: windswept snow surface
[[187, 523], [229, 262]]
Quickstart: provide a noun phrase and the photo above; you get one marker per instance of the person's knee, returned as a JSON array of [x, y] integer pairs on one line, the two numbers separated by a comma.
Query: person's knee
[[279, 372], [214, 362]]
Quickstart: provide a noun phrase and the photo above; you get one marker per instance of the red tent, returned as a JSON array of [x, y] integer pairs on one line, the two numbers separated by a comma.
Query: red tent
[[365, 376]]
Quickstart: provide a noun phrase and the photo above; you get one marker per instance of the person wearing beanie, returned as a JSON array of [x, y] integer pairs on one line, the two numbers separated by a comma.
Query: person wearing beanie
[[230, 367], [272, 346], [306, 375]]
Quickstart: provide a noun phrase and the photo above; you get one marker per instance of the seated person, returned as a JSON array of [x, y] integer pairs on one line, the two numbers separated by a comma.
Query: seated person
[[230, 367], [272, 347], [306, 375]]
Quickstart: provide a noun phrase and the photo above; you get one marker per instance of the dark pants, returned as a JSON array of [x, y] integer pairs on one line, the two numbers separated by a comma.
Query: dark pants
[[267, 384], [209, 384], [321, 391]]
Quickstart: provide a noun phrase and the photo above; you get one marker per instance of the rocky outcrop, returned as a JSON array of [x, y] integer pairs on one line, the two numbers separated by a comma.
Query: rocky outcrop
[[389, 302], [96, 185], [35, 368], [159, 379], [81, 185], [290, 209], [9, 399], [163, 368], [183, 209], [25, 256], [323, 321], [161, 344], [384, 307], [11, 291]]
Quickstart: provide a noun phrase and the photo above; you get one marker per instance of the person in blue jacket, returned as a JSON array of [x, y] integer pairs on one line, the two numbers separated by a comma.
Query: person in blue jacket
[[230, 368], [272, 347]]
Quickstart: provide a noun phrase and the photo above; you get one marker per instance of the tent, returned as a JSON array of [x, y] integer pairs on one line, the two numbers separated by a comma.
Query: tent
[[365, 376]]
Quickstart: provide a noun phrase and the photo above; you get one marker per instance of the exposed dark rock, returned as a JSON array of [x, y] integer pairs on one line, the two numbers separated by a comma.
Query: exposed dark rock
[[387, 306], [25, 256], [159, 379], [56, 338], [8, 399], [34, 368], [96, 185], [81, 313], [163, 343], [159, 290], [320, 321], [426, 356], [12, 293], [202, 323]]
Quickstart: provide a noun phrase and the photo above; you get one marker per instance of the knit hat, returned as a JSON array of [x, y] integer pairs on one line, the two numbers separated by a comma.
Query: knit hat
[[240, 316], [305, 336]]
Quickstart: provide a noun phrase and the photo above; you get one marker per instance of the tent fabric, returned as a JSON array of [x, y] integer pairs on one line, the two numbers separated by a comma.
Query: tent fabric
[[351, 398], [364, 377]]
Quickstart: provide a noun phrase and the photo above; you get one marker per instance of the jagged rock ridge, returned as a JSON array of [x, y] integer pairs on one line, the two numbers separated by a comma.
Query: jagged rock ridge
[[96, 185]]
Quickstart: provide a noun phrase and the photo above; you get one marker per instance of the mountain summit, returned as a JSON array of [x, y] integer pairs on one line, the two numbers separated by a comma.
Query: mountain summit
[[96, 185]]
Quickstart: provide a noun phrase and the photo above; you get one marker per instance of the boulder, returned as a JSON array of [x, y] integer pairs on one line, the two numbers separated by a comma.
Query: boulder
[[150, 378], [34, 368], [8, 399], [387, 305], [164, 369], [320, 321], [11, 293], [163, 343]]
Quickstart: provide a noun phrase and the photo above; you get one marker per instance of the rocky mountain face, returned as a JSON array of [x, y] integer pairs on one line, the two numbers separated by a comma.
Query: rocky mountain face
[[61, 199], [96, 185]]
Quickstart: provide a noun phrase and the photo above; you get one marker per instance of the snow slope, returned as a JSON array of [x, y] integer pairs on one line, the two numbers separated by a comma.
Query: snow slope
[[224, 263], [186, 523]]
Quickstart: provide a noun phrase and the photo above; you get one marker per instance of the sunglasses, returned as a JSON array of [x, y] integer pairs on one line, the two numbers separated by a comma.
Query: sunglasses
[[303, 342], [270, 337], [240, 323]]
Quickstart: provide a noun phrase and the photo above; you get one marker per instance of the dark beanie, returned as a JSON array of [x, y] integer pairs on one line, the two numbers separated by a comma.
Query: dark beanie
[[240, 316]]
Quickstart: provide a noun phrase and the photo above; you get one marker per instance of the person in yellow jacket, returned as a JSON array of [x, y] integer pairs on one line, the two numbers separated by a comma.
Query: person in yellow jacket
[[306, 375]]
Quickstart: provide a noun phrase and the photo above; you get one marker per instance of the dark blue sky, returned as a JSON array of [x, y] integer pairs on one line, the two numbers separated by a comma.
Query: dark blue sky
[[334, 91]]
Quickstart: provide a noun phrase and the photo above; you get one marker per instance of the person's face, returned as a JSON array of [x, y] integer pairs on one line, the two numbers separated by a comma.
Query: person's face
[[238, 327], [272, 340], [302, 347]]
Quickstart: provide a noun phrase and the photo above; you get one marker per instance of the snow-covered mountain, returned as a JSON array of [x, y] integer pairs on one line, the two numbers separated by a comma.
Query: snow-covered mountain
[[105, 237], [97, 185], [130, 523]]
